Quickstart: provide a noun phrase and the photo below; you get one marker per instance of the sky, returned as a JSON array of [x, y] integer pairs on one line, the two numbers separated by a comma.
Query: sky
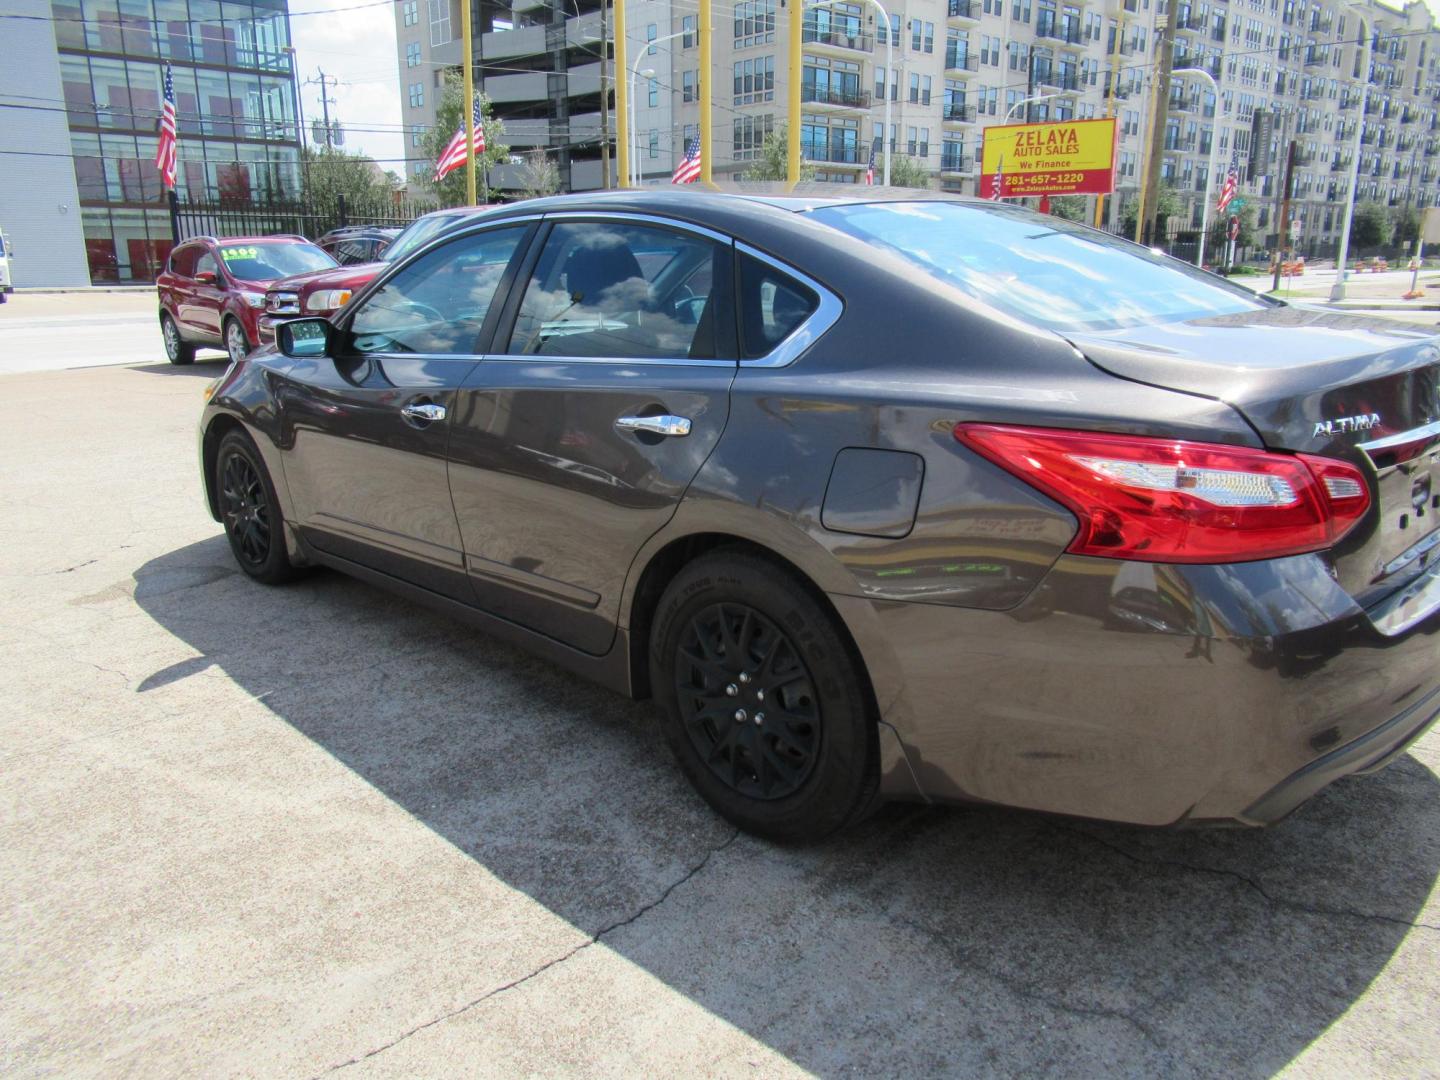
[[358, 48]]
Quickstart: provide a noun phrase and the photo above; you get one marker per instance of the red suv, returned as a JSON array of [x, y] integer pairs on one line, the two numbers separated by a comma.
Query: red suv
[[325, 292], [212, 291]]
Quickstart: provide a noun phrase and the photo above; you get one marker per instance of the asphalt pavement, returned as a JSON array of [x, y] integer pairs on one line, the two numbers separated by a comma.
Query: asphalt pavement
[[313, 829]]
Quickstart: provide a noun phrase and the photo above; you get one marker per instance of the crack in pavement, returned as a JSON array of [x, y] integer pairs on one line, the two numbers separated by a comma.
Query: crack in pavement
[[1235, 875], [555, 962]]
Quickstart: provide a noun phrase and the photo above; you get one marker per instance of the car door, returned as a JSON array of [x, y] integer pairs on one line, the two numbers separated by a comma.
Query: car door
[[204, 300], [365, 431], [577, 435]]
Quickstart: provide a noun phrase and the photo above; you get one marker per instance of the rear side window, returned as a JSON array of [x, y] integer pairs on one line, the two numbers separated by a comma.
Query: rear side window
[[182, 260], [772, 306], [622, 291]]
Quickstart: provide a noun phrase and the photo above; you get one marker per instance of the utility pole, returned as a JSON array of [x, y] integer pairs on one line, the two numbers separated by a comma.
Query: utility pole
[[605, 95], [1110, 102], [1160, 115], [1282, 241], [325, 82]]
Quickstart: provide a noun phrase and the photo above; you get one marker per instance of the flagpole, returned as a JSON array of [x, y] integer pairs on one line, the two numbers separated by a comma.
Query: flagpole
[[467, 50]]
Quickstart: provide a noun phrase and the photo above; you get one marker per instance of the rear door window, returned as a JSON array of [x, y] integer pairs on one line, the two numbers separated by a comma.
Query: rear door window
[[613, 289], [773, 306]]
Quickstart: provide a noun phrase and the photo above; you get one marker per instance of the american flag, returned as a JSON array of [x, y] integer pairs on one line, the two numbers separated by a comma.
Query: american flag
[[870, 168], [165, 152], [999, 183], [688, 171], [1231, 187], [454, 155]]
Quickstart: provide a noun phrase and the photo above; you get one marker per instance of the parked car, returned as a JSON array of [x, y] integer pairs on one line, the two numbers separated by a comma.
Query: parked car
[[212, 291], [324, 292], [357, 243], [929, 498]]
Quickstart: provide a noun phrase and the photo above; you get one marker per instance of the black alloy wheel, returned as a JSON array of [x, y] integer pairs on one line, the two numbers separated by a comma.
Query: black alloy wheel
[[253, 521], [747, 700], [765, 702]]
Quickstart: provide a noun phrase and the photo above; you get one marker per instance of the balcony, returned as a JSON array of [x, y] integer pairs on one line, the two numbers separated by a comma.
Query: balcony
[[1183, 104], [961, 60], [843, 97], [1059, 78], [1347, 102], [957, 114], [955, 163], [1431, 149], [838, 39], [1188, 21], [837, 155], [1341, 165], [1066, 30], [1315, 57], [962, 9], [1181, 145]]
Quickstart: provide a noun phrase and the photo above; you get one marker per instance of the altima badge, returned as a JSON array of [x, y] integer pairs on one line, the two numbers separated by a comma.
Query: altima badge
[[1346, 425]]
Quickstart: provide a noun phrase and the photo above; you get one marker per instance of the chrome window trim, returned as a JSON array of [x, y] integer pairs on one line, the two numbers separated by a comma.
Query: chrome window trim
[[826, 314], [644, 219], [614, 361]]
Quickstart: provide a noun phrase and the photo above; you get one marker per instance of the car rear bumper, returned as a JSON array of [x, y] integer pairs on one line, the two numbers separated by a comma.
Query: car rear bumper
[[1149, 694]]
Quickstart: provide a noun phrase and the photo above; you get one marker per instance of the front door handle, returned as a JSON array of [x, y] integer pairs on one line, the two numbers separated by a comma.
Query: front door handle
[[423, 412], [655, 425]]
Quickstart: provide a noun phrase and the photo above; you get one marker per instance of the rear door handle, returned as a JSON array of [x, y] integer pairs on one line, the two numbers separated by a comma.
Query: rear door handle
[[423, 412], [655, 425]]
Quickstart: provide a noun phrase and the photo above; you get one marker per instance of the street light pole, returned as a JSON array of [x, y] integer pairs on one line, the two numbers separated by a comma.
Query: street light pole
[[1032, 100], [1214, 151], [634, 75], [889, 75], [1337, 291]]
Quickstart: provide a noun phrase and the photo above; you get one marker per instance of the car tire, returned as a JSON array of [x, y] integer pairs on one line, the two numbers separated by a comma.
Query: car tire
[[254, 524], [237, 344], [177, 349], [763, 704]]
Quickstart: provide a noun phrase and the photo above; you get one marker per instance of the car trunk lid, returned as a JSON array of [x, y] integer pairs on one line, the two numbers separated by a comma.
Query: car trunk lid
[[1322, 382]]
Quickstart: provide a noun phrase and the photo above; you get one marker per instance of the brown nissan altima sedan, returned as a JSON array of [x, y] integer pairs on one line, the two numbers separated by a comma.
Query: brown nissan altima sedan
[[923, 499]]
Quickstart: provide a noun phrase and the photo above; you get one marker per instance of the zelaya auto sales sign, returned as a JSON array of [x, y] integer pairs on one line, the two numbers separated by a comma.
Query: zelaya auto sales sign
[[1076, 157]]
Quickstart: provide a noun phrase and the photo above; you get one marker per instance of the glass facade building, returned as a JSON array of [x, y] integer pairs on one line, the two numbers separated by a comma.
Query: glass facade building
[[235, 100]]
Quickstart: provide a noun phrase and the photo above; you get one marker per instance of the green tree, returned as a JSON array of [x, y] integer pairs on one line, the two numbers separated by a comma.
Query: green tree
[[1370, 228], [1168, 205], [905, 172], [448, 116], [774, 160], [1405, 225], [1070, 207], [328, 172]]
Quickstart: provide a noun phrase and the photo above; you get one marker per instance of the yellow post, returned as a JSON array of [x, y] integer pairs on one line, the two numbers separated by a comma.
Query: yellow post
[[467, 50], [622, 99], [707, 95], [797, 74]]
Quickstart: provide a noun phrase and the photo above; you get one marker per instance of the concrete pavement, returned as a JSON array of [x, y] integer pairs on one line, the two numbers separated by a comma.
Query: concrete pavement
[[284, 832], [54, 331]]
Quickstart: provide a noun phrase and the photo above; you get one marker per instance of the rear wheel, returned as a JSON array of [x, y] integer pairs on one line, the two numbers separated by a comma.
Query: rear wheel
[[763, 707], [250, 512], [177, 350], [236, 343]]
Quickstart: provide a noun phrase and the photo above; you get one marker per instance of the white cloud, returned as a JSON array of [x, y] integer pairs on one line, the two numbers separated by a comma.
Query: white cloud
[[358, 48]]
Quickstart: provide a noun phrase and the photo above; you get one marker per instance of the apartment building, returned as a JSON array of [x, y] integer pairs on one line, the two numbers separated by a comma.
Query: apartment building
[[951, 68]]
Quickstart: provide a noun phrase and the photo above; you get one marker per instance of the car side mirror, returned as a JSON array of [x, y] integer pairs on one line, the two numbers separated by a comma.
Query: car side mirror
[[205, 277], [304, 339]]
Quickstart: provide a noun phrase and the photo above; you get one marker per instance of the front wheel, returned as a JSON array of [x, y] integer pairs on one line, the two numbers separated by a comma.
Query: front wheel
[[236, 343], [763, 706], [177, 350], [251, 514]]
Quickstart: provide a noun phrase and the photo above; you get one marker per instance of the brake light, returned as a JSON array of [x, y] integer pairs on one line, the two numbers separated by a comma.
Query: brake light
[[1167, 500]]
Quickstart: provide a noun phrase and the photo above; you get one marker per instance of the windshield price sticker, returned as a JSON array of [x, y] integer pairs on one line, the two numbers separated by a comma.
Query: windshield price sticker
[[1072, 158], [239, 253]]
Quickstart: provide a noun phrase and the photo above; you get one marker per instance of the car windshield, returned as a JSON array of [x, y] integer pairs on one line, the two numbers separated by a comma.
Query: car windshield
[[1044, 270], [266, 262], [416, 233]]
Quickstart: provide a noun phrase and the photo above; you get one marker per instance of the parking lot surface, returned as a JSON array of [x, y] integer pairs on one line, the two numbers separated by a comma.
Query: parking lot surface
[[285, 832]]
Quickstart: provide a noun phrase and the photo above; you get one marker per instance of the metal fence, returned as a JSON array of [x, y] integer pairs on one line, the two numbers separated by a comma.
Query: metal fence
[[301, 218]]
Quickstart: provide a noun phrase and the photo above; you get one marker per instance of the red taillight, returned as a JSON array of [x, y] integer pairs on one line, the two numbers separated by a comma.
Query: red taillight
[[1165, 500]]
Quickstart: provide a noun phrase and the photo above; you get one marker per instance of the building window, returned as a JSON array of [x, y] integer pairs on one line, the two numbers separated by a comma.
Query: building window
[[651, 33], [929, 37], [754, 80], [688, 25], [417, 95], [417, 136], [412, 54], [914, 88], [750, 133], [917, 30], [439, 21], [754, 23], [411, 12], [687, 85], [653, 86], [654, 143]]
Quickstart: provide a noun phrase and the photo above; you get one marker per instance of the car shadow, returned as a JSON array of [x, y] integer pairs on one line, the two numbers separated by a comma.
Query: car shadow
[[938, 941], [208, 366]]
